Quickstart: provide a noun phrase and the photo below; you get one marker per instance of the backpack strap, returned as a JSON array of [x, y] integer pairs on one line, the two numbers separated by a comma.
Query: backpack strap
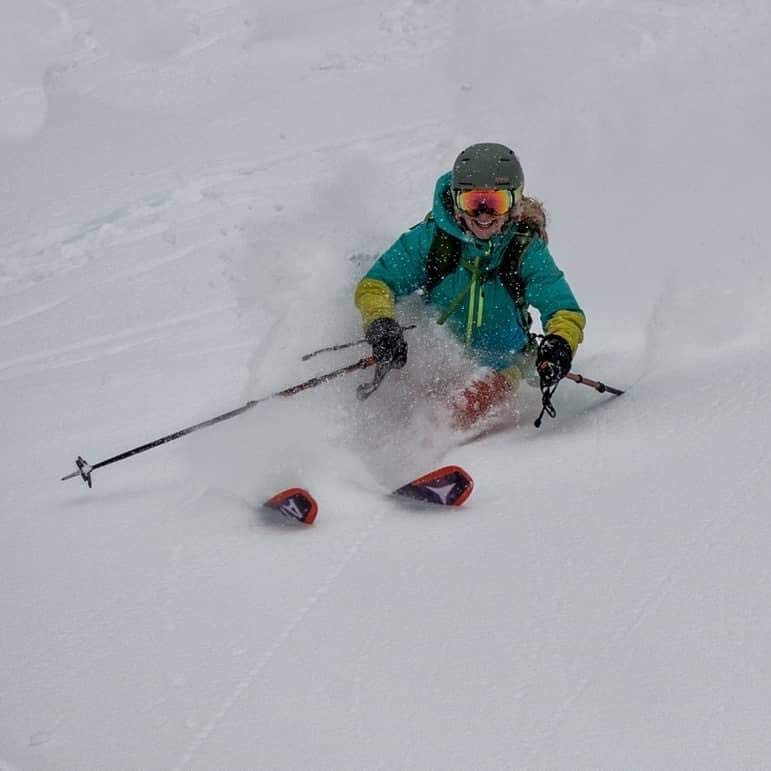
[[443, 254], [508, 273], [443, 258]]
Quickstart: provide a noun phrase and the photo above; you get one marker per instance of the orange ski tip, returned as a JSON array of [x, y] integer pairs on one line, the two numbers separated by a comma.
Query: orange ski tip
[[286, 502], [440, 472], [445, 472]]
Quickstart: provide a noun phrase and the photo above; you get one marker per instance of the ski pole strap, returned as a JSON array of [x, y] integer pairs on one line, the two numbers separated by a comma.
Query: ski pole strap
[[365, 390], [546, 405]]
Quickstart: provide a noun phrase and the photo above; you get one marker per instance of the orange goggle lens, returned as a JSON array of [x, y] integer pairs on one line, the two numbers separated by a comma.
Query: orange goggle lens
[[474, 202]]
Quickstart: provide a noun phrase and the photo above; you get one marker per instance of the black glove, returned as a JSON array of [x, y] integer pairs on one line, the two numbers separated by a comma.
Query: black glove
[[553, 360], [387, 341]]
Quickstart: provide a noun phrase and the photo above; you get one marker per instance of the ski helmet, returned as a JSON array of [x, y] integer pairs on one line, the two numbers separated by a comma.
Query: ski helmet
[[487, 165]]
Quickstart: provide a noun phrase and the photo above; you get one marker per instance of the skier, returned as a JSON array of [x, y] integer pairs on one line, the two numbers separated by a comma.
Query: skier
[[481, 258]]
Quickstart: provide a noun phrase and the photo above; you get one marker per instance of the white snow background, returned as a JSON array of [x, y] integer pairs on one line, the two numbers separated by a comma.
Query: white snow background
[[189, 191]]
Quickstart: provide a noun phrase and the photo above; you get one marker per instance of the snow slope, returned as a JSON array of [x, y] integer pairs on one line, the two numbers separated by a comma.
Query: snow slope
[[189, 193]]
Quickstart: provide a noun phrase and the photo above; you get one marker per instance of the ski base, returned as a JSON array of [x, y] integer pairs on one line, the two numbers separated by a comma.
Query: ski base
[[295, 504], [446, 486]]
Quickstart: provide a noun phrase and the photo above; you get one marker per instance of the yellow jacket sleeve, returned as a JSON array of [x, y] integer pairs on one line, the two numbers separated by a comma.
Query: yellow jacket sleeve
[[569, 325], [374, 299]]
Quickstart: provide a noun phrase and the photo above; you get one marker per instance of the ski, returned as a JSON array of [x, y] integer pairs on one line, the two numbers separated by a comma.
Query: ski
[[295, 504], [445, 486]]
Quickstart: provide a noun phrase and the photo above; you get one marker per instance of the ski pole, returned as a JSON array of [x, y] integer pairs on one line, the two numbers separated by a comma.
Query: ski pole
[[596, 385], [85, 469], [341, 346], [547, 393]]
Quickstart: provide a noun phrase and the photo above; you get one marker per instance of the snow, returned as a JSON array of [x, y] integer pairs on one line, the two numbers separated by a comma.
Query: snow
[[189, 193]]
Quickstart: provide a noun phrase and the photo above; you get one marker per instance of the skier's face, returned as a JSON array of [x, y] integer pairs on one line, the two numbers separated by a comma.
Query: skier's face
[[483, 225]]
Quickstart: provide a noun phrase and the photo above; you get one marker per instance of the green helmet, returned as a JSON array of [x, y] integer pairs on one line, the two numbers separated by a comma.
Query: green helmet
[[487, 165]]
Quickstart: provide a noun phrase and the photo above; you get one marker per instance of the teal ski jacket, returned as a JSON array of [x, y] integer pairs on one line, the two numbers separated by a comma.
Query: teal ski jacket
[[486, 319]]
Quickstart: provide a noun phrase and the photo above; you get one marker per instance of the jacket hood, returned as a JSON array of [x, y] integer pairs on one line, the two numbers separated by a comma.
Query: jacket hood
[[442, 210]]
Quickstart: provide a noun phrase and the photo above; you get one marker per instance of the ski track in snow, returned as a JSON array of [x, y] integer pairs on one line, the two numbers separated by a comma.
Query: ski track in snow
[[32, 312], [264, 659], [109, 345]]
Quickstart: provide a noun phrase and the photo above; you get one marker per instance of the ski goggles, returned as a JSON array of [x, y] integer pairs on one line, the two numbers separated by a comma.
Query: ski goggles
[[495, 202]]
